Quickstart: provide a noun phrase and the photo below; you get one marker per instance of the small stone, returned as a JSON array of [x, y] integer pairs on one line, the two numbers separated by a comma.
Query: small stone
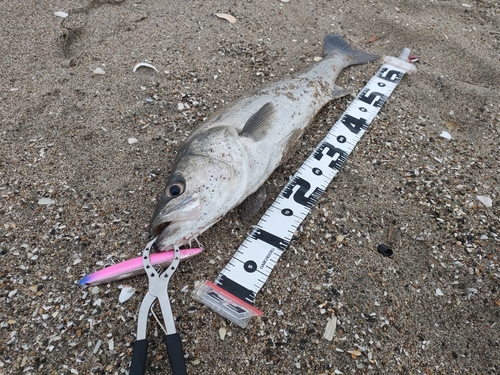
[[132, 141], [46, 201], [340, 238], [439, 292], [99, 71], [61, 14], [487, 201], [126, 293], [97, 346], [12, 293], [226, 16], [451, 125], [331, 326], [180, 106], [354, 353], [222, 333], [95, 290], [445, 135]]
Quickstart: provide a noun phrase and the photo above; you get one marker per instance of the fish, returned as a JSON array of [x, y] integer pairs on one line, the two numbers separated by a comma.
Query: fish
[[133, 267], [230, 156]]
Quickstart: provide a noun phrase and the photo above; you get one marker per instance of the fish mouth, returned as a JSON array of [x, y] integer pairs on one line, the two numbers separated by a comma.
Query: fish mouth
[[158, 229], [167, 224], [169, 233]]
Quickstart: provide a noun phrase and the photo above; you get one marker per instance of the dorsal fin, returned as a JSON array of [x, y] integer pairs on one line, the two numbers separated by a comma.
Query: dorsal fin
[[257, 125]]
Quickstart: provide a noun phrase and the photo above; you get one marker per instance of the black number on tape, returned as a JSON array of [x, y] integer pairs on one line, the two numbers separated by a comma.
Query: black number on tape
[[338, 155], [250, 266], [390, 75], [317, 171], [354, 124], [374, 99], [300, 194]]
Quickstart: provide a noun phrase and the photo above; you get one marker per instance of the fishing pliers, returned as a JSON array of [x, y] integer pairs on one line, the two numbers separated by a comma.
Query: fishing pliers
[[158, 284]]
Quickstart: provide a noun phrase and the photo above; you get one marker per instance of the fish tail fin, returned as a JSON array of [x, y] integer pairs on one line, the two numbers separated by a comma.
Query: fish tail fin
[[335, 44]]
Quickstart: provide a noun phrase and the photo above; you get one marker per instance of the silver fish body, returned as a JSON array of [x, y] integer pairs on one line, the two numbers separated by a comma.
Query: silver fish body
[[231, 155]]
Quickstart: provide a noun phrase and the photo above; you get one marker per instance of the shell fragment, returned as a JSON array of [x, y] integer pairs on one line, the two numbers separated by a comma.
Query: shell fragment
[[331, 326], [144, 64], [126, 293], [99, 71], [61, 14], [226, 16]]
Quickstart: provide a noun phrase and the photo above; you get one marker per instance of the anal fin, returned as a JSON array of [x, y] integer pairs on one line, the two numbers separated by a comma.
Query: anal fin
[[340, 92], [252, 204]]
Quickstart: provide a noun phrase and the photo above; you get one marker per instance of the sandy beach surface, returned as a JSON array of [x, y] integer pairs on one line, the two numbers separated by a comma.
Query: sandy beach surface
[[431, 308]]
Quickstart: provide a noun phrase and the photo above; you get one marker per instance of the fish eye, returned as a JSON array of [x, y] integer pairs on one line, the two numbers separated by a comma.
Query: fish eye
[[174, 190]]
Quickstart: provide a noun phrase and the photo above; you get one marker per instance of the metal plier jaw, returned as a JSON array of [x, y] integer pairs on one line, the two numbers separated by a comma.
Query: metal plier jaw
[[158, 284]]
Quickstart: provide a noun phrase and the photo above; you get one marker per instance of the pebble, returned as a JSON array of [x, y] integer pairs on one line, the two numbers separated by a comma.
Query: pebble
[[445, 135], [97, 346], [99, 71], [222, 333], [487, 201], [61, 14], [126, 293], [330, 328], [132, 141], [226, 16], [46, 201]]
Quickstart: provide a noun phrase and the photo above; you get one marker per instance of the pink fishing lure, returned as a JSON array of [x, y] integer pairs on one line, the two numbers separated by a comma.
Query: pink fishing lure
[[133, 267]]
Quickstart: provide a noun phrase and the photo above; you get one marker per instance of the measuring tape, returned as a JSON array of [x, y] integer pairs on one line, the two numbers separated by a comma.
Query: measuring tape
[[234, 291]]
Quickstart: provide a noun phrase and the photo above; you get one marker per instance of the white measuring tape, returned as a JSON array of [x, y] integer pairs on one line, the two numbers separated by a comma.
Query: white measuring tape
[[234, 291]]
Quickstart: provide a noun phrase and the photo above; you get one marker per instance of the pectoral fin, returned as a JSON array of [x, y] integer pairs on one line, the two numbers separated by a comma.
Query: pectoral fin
[[258, 124]]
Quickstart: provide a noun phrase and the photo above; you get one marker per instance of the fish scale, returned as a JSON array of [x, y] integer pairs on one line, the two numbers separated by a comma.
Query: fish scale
[[234, 291]]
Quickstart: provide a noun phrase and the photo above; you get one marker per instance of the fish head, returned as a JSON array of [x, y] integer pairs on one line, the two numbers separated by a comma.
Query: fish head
[[207, 180]]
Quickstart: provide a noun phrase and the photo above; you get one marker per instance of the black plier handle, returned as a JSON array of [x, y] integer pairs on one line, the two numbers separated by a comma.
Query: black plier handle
[[174, 350], [157, 290]]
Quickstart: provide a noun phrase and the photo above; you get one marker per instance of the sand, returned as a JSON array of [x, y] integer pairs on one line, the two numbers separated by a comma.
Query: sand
[[432, 308]]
